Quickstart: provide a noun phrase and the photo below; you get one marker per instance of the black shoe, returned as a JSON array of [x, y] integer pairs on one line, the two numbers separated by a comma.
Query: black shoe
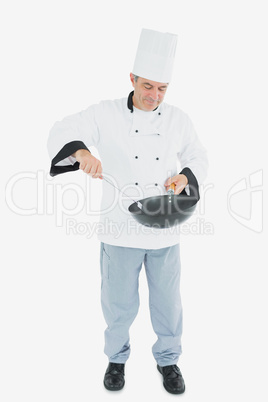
[[114, 377], [173, 380]]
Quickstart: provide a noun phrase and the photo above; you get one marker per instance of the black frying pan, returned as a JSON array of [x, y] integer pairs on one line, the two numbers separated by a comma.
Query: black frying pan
[[165, 211]]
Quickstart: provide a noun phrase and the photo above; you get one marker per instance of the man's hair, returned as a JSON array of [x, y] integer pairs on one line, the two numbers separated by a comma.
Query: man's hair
[[135, 77]]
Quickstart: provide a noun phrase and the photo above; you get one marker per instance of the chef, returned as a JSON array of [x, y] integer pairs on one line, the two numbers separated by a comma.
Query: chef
[[144, 145]]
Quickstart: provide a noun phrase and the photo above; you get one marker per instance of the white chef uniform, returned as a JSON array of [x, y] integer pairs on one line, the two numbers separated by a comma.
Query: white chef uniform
[[139, 151]]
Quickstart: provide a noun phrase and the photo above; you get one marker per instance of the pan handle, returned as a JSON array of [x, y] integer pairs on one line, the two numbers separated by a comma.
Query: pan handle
[[171, 189], [172, 186]]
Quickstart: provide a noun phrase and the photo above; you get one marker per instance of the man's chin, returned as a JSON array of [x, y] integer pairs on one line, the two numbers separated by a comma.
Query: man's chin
[[149, 106]]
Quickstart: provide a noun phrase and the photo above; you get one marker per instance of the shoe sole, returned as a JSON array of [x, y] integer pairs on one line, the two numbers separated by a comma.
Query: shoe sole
[[168, 389], [114, 389]]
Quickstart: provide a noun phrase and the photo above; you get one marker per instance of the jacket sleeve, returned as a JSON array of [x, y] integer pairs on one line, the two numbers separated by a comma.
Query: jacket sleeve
[[77, 131], [193, 155]]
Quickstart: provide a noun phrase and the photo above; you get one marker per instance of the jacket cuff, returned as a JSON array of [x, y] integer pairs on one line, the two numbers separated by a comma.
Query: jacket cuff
[[189, 174], [66, 151], [192, 182]]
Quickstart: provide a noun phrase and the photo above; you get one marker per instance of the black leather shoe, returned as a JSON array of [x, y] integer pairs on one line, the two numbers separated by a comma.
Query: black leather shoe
[[173, 380], [114, 377]]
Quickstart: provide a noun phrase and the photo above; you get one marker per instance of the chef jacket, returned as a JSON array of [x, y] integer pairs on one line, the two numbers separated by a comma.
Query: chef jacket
[[139, 151]]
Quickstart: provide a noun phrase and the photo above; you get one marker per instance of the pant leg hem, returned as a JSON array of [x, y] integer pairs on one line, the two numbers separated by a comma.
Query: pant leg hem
[[118, 361], [166, 362]]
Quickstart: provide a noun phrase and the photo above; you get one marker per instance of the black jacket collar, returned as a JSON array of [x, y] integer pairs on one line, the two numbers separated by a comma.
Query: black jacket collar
[[130, 101]]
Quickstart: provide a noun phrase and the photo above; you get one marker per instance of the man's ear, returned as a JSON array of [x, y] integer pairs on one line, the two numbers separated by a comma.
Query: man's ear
[[132, 79]]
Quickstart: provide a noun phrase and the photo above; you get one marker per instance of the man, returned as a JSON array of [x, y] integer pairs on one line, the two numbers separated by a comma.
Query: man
[[140, 140]]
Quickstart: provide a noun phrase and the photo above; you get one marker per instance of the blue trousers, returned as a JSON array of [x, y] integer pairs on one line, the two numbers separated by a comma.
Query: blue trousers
[[120, 269]]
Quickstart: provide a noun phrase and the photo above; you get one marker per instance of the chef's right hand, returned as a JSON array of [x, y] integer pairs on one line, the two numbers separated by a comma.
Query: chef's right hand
[[88, 163]]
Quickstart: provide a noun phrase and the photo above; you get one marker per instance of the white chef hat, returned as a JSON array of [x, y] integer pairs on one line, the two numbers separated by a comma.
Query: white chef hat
[[155, 55]]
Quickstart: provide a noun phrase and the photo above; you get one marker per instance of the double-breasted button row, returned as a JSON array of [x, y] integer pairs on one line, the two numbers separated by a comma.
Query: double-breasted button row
[[136, 157], [136, 131], [157, 158], [156, 184]]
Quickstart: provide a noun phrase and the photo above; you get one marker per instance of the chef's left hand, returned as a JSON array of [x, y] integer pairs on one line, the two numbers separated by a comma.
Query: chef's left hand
[[180, 181]]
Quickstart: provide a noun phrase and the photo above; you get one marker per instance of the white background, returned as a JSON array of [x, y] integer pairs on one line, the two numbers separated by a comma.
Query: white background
[[58, 57]]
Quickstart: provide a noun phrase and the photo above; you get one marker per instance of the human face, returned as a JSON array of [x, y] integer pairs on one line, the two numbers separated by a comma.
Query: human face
[[147, 94]]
